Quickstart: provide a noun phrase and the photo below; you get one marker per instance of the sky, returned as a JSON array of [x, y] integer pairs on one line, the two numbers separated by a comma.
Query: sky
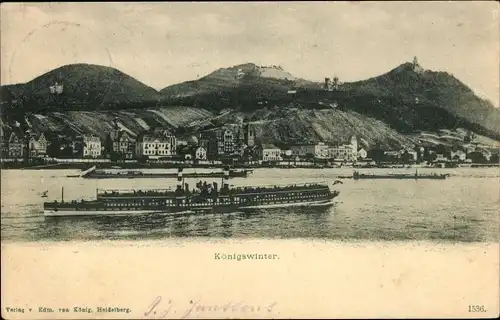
[[161, 44]]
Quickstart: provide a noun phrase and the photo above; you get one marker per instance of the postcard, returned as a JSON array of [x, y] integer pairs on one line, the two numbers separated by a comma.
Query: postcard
[[250, 160]]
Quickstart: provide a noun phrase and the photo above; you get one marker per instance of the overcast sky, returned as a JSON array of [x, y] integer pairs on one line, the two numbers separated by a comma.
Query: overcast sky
[[165, 43]]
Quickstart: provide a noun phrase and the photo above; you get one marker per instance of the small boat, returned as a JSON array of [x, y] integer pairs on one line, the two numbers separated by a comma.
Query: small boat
[[84, 173], [44, 194]]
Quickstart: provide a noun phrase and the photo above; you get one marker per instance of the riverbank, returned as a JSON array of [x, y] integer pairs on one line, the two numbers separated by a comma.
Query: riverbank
[[152, 165]]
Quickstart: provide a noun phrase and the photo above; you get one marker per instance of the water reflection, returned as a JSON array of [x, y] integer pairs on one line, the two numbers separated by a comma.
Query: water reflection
[[190, 224]]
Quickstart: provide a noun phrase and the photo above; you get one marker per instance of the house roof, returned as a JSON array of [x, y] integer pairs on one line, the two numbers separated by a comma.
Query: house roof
[[151, 138], [268, 146], [116, 135], [13, 136], [88, 137], [36, 135]]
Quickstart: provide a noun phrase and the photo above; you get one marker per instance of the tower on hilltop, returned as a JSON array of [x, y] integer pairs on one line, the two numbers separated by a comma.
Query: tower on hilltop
[[416, 66]]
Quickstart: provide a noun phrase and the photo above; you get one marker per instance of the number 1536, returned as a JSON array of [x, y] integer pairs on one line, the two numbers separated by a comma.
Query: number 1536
[[476, 308]]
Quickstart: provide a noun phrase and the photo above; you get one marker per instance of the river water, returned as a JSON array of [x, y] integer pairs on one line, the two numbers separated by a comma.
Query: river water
[[462, 208]]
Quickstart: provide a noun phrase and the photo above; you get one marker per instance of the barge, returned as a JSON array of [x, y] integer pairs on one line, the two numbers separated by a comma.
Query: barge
[[133, 174], [203, 198], [357, 176]]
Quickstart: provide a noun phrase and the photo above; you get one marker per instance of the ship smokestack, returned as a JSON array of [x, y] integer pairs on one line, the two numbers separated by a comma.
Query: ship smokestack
[[179, 179], [225, 178]]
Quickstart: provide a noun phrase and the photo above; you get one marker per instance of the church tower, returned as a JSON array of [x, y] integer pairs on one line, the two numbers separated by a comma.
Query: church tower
[[354, 144], [249, 135]]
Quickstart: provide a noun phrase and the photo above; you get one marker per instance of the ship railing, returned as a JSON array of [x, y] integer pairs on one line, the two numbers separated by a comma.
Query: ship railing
[[111, 192], [308, 184], [277, 188]]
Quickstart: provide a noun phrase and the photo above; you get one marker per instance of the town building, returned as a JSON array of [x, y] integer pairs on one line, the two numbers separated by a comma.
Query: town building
[[37, 145], [249, 135], [219, 142], [154, 146], [410, 154], [362, 154], [319, 150], [354, 145], [441, 157], [87, 146], [122, 144], [341, 153], [268, 152], [169, 137], [16, 145], [56, 88], [200, 153], [5, 145]]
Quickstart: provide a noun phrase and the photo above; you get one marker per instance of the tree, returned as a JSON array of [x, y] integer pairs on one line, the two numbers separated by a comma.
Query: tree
[[494, 158], [310, 157], [377, 155], [54, 149], [66, 152], [477, 157], [116, 156], [430, 157], [406, 157]]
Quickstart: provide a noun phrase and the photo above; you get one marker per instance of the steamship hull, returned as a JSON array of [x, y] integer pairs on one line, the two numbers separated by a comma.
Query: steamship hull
[[75, 212]]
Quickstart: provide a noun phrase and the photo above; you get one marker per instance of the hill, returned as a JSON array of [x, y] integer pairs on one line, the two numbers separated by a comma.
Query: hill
[[391, 110], [238, 87], [407, 98], [82, 87], [429, 95], [99, 123]]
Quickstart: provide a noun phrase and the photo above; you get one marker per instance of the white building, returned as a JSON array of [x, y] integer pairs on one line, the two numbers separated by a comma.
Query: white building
[[341, 153], [319, 150], [88, 146], [200, 153], [56, 88], [154, 147], [354, 145], [362, 153], [37, 145], [169, 137], [269, 152]]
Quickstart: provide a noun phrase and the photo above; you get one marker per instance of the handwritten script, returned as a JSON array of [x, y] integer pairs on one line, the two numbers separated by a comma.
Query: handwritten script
[[164, 309]]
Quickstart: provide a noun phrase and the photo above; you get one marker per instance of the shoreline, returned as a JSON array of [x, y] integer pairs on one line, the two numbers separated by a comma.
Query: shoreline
[[129, 166]]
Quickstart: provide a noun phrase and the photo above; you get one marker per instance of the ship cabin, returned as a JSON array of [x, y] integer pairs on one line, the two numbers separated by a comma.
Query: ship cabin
[[208, 195]]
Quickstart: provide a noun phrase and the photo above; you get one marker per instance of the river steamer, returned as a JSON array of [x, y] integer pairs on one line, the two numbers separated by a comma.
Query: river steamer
[[205, 197], [133, 174]]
